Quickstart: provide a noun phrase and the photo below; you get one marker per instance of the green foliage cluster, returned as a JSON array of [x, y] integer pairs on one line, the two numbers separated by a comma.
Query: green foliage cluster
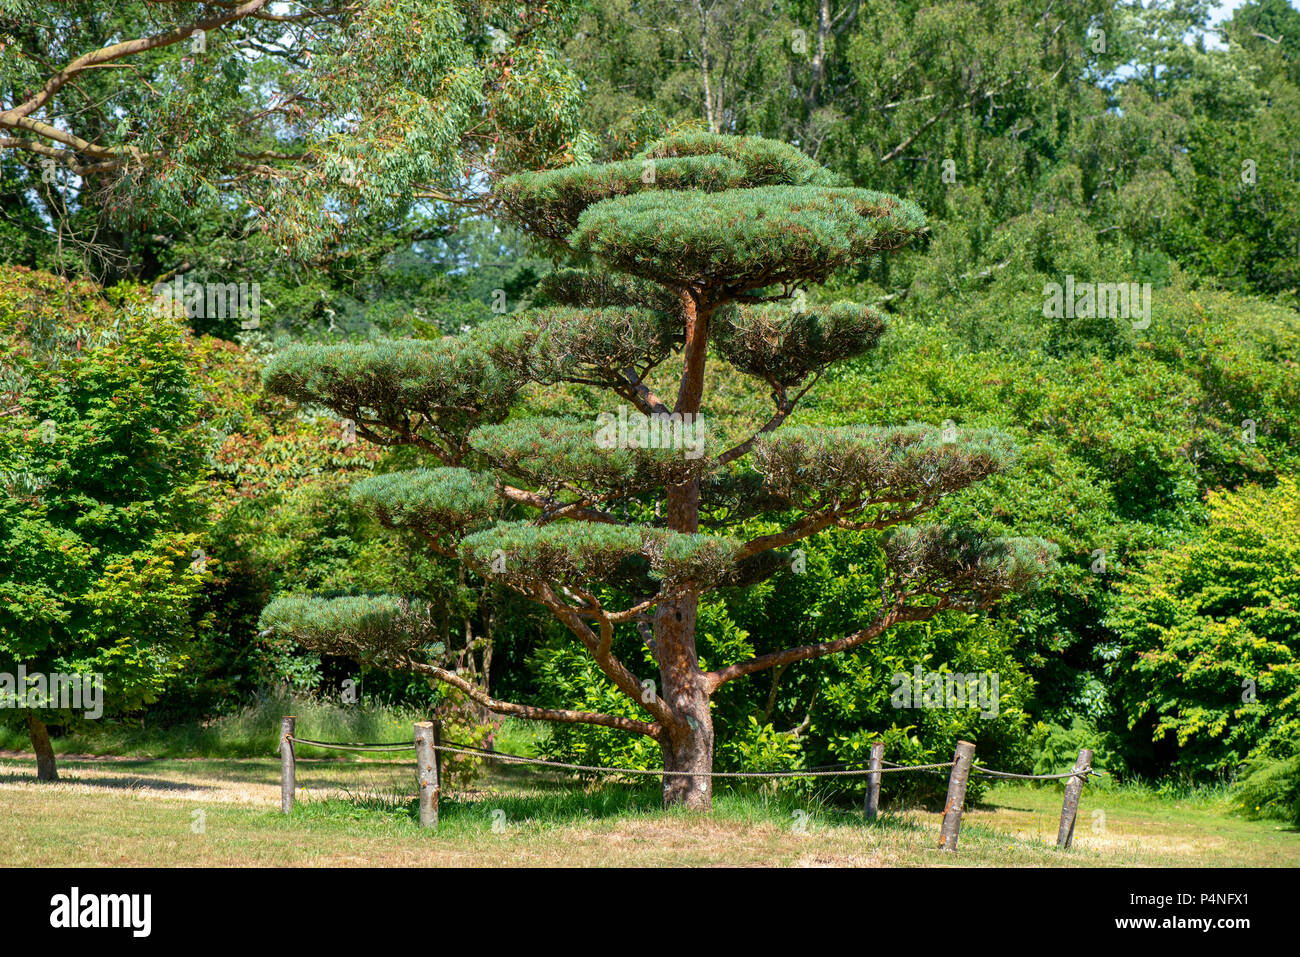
[[427, 499], [579, 555], [742, 238], [785, 346], [766, 162], [379, 630], [1270, 788], [102, 541], [547, 451], [1208, 654], [560, 343], [878, 464], [966, 561], [380, 382]]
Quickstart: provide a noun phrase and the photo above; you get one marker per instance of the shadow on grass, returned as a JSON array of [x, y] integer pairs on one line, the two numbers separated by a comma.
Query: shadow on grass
[[107, 784]]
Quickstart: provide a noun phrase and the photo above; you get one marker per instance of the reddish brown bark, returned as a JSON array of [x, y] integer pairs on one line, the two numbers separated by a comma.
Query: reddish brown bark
[[687, 740]]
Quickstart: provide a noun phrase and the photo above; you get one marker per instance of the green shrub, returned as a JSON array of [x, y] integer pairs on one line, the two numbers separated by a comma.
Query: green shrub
[[1207, 656], [1270, 788]]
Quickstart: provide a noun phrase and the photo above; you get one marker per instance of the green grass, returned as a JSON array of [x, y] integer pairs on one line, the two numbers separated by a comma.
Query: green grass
[[118, 812]]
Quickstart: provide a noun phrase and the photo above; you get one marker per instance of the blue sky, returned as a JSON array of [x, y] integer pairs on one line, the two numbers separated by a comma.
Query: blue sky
[[1224, 10]]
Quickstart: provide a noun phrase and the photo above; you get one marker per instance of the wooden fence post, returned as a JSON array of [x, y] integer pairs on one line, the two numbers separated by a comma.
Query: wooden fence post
[[428, 738], [287, 765], [872, 807], [1073, 791], [962, 759]]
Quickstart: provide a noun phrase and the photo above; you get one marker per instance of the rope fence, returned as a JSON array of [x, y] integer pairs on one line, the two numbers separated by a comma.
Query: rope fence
[[429, 749]]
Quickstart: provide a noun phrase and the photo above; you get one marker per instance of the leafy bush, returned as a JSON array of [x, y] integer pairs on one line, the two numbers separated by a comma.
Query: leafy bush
[[1208, 653], [1270, 787], [102, 551], [1056, 747]]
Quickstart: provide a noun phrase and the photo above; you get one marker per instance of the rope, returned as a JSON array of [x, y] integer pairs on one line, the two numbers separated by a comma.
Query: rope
[[1089, 772], [352, 747], [821, 771], [891, 766], [519, 759]]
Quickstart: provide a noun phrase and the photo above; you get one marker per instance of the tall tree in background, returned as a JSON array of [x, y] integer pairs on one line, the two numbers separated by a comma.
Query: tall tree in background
[[1119, 118], [130, 124], [703, 242]]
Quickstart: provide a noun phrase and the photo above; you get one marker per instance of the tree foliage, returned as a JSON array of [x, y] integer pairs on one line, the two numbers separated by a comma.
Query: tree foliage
[[1206, 653], [101, 521]]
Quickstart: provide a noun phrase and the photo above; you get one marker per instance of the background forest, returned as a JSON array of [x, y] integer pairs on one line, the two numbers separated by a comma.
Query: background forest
[[343, 159]]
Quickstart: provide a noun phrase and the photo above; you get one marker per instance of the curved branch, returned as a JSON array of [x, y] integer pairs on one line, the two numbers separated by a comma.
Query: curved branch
[[614, 669], [807, 526], [532, 713], [784, 406], [117, 51], [883, 622]]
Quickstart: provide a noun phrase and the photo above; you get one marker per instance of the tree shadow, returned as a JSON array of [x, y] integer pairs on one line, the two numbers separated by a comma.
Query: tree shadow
[[107, 783]]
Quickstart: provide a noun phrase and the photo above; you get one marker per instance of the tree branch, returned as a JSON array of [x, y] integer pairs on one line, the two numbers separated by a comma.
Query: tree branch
[[118, 51], [882, 623], [531, 712]]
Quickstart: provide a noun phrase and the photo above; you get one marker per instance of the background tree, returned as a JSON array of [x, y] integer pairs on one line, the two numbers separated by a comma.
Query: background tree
[[101, 457], [304, 127], [711, 234]]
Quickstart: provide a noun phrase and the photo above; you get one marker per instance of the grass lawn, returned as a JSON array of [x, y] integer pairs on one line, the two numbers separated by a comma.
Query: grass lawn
[[121, 812]]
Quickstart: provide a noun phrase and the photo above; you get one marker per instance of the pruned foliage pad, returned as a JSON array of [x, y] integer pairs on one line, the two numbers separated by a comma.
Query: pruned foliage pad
[[453, 500], [593, 346], [381, 630], [744, 239], [784, 344], [861, 465], [547, 452]]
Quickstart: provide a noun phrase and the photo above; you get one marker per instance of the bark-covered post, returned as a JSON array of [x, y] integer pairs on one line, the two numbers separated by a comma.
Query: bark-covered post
[[287, 768], [1073, 791], [872, 806], [962, 759], [428, 738]]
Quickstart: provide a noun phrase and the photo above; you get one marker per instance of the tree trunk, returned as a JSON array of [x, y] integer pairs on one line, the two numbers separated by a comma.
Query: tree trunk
[[688, 741], [40, 735], [687, 744]]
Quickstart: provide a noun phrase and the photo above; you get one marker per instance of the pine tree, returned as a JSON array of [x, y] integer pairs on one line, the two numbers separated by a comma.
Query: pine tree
[[620, 521]]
